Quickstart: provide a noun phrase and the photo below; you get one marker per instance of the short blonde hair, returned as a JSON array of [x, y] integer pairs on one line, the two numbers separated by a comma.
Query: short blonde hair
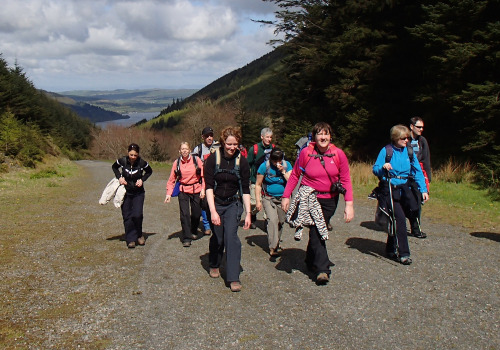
[[399, 131], [184, 143]]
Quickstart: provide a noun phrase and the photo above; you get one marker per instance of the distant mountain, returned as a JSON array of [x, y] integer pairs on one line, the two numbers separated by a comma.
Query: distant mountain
[[127, 101], [93, 113]]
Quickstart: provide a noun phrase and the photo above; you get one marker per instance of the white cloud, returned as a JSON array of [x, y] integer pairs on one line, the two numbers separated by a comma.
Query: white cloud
[[107, 44]]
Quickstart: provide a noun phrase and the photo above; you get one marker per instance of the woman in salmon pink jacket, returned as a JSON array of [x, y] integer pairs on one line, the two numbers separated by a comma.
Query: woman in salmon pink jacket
[[188, 170]]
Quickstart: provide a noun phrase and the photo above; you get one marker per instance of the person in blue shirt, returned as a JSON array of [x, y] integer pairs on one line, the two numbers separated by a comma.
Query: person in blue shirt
[[271, 179], [408, 188]]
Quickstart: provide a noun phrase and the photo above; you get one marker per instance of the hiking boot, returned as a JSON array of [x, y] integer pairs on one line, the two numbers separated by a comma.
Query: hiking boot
[[235, 286], [141, 240], [405, 260], [329, 227], [252, 224], [214, 272], [419, 234], [322, 277], [207, 232], [131, 245]]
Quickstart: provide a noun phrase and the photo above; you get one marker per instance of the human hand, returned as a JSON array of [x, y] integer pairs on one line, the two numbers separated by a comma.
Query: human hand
[[167, 198], [122, 181], [138, 183], [258, 206], [248, 221], [285, 204], [425, 197], [387, 166], [348, 212]]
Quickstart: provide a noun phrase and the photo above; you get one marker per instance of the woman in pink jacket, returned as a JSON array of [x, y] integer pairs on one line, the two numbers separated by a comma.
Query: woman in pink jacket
[[325, 174], [188, 170]]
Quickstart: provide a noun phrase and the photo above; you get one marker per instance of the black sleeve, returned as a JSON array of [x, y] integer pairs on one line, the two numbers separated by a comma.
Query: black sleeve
[[116, 168], [426, 157], [208, 171], [147, 170], [245, 175]]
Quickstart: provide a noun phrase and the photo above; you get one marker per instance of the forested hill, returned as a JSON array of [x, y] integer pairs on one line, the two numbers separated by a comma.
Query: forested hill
[[251, 84], [32, 124], [366, 66], [93, 113]]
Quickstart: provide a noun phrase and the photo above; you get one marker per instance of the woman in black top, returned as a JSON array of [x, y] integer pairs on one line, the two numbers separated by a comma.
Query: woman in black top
[[227, 179], [132, 171]]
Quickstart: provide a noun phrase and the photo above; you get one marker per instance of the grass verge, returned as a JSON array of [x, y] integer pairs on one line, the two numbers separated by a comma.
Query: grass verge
[[456, 203]]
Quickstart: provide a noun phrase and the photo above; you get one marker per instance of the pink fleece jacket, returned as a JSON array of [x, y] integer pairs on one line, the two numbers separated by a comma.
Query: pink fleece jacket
[[316, 176], [189, 180]]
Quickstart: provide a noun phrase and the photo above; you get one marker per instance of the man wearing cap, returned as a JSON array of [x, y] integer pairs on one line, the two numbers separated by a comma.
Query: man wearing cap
[[203, 150]]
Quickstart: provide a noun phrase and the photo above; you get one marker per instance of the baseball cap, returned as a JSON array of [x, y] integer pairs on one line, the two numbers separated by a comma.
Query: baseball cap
[[207, 130]]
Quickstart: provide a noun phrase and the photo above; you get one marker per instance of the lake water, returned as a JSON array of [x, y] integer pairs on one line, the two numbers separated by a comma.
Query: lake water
[[134, 118]]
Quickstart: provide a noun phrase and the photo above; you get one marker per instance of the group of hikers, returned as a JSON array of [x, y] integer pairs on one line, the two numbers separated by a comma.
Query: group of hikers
[[219, 181]]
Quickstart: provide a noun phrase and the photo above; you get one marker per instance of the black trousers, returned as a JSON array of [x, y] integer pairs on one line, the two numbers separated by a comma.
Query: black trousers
[[226, 236], [316, 255], [190, 218], [132, 213], [401, 234]]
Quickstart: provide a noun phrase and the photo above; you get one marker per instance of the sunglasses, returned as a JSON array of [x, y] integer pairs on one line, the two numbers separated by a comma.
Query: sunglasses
[[404, 138], [418, 127]]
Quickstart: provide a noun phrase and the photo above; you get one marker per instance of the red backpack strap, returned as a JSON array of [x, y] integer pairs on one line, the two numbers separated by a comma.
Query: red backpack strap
[[255, 149]]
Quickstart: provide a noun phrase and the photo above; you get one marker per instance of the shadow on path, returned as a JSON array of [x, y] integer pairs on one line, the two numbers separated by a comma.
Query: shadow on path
[[368, 246], [489, 235], [259, 241], [294, 259], [371, 225], [121, 237]]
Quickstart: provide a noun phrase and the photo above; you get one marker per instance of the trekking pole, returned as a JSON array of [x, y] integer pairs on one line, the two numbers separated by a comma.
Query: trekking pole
[[392, 231]]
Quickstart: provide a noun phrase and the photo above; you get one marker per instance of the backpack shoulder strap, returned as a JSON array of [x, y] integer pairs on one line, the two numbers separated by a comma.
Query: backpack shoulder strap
[[195, 161], [200, 150], [410, 153], [388, 153], [255, 149]]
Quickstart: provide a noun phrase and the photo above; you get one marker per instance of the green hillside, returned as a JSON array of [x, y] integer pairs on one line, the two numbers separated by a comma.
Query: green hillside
[[33, 125]]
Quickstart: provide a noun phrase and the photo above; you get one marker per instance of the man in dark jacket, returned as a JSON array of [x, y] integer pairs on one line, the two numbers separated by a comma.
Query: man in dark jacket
[[421, 150]]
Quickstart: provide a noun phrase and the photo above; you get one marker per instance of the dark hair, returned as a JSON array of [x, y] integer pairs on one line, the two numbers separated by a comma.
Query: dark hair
[[414, 120], [321, 126], [276, 155], [134, 146]]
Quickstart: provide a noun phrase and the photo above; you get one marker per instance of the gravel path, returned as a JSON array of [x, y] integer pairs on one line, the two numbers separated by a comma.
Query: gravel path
[[160, 296]]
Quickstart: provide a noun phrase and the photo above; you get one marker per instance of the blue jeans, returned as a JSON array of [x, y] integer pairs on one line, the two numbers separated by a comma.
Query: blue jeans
[[206, 223]]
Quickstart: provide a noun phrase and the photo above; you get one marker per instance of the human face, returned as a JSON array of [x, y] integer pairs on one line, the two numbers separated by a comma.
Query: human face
[[267, 139], [402, 141], [132, 156], [417, 129], [184, 151], [322, 140], [208, 139], [230, 146]]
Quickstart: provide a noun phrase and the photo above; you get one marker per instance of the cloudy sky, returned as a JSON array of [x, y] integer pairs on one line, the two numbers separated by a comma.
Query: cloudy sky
[[131, 44]]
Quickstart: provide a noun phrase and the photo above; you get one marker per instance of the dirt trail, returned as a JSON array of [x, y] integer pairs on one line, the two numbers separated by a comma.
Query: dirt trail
[[160, 296]]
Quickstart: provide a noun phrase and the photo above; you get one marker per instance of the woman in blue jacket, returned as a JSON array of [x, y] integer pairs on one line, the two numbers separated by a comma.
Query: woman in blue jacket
[[397, 163]]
